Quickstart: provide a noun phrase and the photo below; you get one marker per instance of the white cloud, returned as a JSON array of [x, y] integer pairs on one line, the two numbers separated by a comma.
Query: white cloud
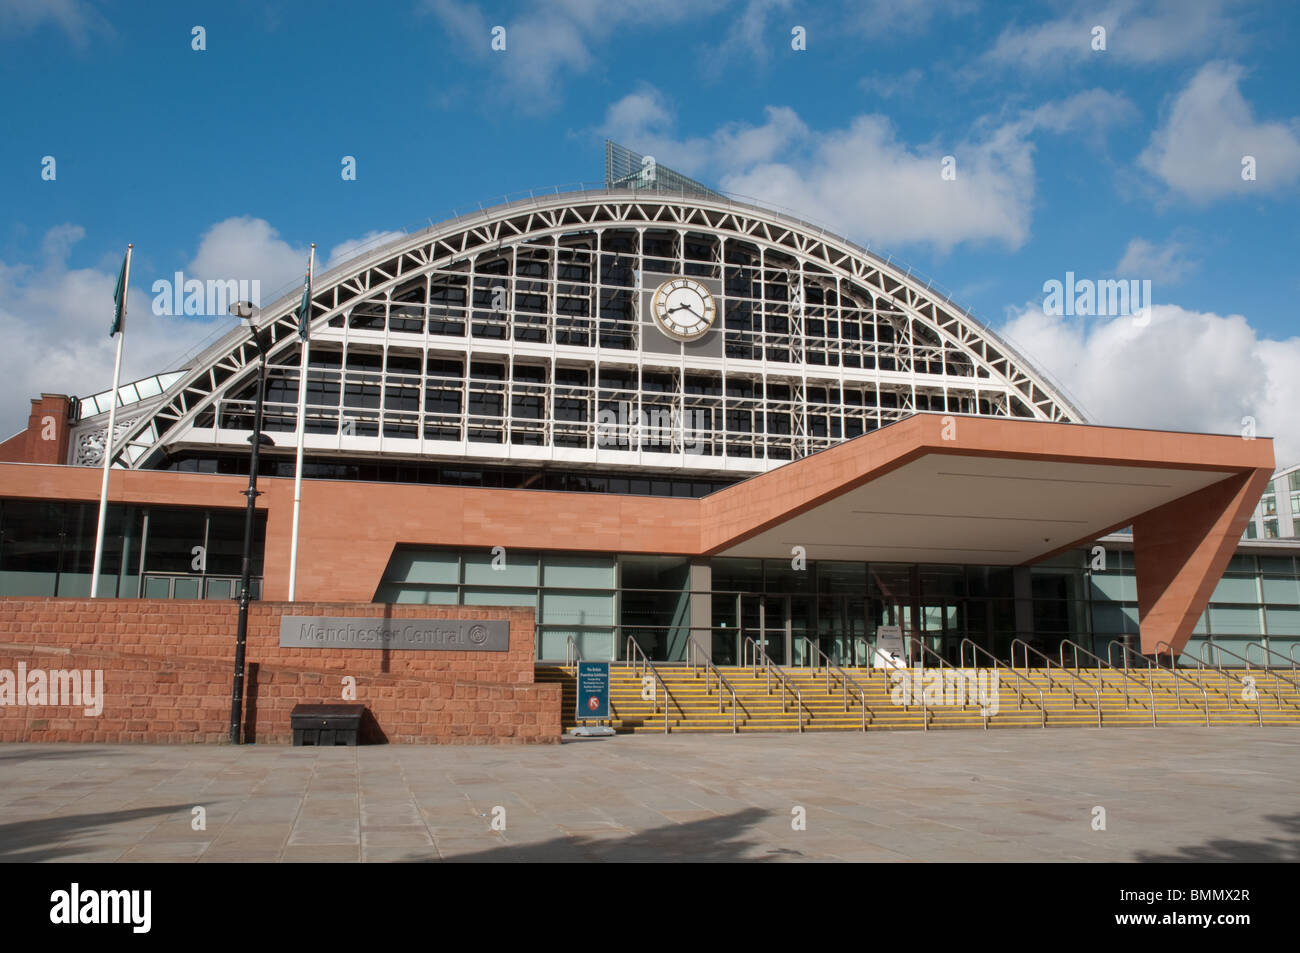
[[862, 180], [889, 18], [1198, 150], [749, 36], [1167, 263], [55, 320], [247, 248], [551, 40], [1185, 370], [76, 18], [890, 84], [344, 251], [1136, 33]]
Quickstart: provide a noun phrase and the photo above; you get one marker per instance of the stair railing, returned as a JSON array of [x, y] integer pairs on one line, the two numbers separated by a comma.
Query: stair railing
[[572, 654], [1074, 695], [1267, 652], [630, 654], [998, 663], [1102, 665], [1178, 676], [1218, 667], [692, 650], [845, 681], [770, 668]]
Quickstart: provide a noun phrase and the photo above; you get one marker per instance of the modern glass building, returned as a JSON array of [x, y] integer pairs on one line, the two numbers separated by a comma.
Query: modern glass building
[[568, 402], [1278, 513]]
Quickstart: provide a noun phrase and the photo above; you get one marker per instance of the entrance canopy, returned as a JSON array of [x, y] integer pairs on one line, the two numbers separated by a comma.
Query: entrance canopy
[[950, 508], [953, 489]]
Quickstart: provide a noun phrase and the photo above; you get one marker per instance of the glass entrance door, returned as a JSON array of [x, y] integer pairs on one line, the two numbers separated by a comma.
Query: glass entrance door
[[763, 619], [941, 630]]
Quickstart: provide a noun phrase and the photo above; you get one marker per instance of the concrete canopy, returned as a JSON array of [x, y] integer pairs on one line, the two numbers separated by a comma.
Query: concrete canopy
[[952, 489]]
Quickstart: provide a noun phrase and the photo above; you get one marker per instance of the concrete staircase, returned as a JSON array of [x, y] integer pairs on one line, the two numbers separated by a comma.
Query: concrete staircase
[[686, 699]]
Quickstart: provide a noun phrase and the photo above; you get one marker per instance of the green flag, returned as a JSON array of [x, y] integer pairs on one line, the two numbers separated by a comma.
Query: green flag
[[119, 298], [304, 307]]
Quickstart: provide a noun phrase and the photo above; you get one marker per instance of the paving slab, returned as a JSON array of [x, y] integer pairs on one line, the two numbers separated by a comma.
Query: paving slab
[[1226, 794]]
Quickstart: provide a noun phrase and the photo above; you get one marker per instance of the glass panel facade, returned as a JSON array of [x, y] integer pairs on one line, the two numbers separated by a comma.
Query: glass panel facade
[[48, 549], [834, 607]]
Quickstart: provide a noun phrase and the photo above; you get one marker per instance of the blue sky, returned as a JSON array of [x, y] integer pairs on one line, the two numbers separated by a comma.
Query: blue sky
[[1115, 163]]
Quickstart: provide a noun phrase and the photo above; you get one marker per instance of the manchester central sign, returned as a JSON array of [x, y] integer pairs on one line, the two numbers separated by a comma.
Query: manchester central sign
[[331, 632]]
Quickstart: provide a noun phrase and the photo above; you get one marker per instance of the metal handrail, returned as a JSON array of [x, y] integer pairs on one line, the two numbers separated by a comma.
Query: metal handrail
[[1178, 695], [631, 650], [1267, 652], [782, 678], [1222, 671], [1042, 702], [845, 681], [572, 654], [691, 650], [1074, 676], [1172, 662], [1122, 674]]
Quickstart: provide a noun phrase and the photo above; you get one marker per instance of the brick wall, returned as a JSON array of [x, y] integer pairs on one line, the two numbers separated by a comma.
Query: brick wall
[[168, 667], [47, 435]]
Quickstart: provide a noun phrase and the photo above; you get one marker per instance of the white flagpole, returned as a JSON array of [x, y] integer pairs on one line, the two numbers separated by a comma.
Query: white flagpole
[[108, 436], [302, 428]]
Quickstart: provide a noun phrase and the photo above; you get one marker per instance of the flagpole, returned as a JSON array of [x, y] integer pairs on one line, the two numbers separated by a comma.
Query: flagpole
[[302, 427], [108, 435]]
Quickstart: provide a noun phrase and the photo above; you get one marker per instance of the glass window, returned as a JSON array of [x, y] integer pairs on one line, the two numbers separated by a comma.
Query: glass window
[[483, 568], [1283, 622], [475, 596], [1282, 591], [990, 580], [29, 547], [1236, 589], [416, 594], [1232, 620], [173, 534], [1112, 618], [1114, 586], [739, 575], [574, 609], [583, 571], [423, 566], [838, 577]]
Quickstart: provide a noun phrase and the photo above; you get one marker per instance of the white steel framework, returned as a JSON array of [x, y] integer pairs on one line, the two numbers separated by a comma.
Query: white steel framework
[[510, 334]]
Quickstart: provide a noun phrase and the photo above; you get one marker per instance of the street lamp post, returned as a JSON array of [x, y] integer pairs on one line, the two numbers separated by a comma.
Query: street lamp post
[[245, 310]]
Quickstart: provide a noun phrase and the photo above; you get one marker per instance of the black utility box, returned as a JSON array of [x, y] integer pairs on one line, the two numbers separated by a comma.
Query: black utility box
[[326, 725]]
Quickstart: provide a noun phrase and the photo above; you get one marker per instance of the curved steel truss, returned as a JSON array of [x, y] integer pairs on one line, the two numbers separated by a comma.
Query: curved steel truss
[[814, 330]]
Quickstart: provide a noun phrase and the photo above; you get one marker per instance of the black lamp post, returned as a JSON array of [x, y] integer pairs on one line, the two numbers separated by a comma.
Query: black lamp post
[[244, 310]]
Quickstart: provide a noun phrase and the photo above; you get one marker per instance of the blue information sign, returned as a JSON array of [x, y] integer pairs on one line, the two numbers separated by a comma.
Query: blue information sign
[[593, 690]]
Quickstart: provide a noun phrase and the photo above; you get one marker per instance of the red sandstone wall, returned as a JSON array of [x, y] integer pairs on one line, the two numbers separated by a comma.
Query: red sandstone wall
[[168, 667]]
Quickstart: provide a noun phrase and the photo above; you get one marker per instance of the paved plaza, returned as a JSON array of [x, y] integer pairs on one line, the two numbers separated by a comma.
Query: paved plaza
[[1224, 794]]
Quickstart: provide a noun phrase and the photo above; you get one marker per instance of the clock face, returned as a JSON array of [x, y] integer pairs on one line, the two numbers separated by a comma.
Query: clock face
[[684, 309]]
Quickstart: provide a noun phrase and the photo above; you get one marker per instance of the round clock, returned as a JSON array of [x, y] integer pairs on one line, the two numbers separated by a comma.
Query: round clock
[[683, 309]]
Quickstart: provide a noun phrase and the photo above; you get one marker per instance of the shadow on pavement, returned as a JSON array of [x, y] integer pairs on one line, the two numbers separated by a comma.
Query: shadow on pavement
[[711, 840], [1272, 850], [51, 754], [43, 839]]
